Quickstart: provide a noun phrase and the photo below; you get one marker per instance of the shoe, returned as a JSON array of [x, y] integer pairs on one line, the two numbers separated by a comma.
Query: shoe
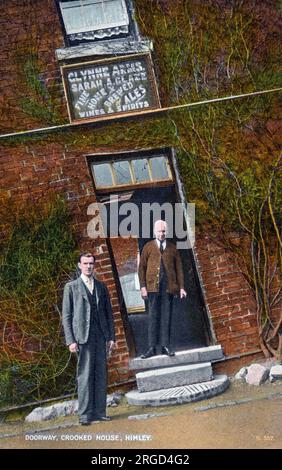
[[105, 418], [167, 351], [149, 353], [101, 418], [84, 423]]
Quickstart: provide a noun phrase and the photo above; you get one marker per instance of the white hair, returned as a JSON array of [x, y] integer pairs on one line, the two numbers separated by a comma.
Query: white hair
[[160, 222]]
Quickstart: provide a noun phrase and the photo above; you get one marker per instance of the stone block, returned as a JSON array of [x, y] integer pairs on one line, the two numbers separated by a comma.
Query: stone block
[[173, 377], [179, 395], [189, 356]]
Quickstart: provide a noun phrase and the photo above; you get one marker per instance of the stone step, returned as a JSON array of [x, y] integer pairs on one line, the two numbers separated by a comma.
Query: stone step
[[191, 356], [178, 395], [168, 377]]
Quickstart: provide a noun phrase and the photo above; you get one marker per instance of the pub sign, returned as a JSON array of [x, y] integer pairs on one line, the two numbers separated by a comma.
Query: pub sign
[[107, 87]]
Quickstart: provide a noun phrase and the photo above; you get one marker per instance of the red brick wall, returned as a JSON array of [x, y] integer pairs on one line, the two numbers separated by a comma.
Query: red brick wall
[[230, 302], [36, 168], [29, 28]]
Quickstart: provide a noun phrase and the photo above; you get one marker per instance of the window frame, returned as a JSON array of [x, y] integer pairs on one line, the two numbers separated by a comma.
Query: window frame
[[70, 42], [133, 184]]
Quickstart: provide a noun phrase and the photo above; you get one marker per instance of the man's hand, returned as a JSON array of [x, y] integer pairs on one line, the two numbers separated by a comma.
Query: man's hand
[[110, 346], [73, 347], [144, 293], [183, 294]]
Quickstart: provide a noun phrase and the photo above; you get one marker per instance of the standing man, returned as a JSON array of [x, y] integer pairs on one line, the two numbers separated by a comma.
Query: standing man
[[89, 332], [161, 277]]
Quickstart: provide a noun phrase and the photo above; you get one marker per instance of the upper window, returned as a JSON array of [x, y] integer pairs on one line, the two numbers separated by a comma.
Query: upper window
[[131, 172], [94, 19]]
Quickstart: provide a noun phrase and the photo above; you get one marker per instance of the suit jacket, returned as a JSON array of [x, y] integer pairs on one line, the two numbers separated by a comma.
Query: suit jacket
[[77, 308], [150, 263]]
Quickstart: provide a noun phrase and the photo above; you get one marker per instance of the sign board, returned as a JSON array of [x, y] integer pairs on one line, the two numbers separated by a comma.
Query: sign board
[[110, 87]]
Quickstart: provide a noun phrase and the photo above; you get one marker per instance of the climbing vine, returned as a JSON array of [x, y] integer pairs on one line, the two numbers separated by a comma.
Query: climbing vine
[[228, 154], [37, 248], [39, 102]]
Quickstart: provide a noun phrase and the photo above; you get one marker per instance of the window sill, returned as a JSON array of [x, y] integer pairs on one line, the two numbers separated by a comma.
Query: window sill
[[104, 48]]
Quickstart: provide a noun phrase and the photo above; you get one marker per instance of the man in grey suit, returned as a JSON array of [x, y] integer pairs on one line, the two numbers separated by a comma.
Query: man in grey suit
[[89, 331]]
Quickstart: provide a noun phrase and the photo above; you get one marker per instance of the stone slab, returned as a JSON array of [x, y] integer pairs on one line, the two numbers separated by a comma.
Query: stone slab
[[168, 377], [179, 395], [104, 48], [190, 356]]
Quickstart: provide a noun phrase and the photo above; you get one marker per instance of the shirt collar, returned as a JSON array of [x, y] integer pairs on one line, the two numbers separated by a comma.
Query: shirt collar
[[86, 278], [159, 243]]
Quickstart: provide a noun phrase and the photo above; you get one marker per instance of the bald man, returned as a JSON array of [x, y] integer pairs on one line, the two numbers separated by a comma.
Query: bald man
[[161, 277]]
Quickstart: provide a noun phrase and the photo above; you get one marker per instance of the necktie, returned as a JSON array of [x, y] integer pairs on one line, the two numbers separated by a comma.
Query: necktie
[[90, 284], [162, 246]]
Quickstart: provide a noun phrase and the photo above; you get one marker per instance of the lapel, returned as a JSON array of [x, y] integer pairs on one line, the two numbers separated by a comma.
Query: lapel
[[82, 289], [97, 287]]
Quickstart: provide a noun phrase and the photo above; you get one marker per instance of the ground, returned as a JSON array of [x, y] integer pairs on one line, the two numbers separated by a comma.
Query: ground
[[244, 417]]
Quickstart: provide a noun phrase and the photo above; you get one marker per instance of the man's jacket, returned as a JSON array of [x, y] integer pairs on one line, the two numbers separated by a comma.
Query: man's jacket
[[150, 263], [77, 309]]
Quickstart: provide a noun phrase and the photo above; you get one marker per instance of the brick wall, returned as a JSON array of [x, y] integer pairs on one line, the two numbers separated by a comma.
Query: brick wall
[[37, 168], [230, 301], [30, 34], [43, 165]]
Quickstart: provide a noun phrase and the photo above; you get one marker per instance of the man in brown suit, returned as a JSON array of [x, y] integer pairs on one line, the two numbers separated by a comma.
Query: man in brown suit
[[161, 277]]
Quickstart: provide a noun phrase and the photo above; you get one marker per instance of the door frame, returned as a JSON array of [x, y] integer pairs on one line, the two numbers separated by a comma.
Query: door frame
[[176, 182]]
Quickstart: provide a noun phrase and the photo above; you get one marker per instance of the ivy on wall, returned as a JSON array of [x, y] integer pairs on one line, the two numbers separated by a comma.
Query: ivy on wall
[[228, 153], [38, 102], [36, 252]]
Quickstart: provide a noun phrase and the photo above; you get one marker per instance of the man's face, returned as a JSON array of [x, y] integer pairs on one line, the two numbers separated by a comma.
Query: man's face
[[160, 230], [86, 265]]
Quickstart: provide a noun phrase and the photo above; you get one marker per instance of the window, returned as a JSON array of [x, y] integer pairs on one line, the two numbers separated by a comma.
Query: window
[[122, 172], [126, 256], [103, 174], [141, 170], [131, 172], [94, 19], [159, 168]]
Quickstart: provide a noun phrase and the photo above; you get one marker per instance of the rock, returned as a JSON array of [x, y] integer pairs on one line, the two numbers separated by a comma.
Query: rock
[[54, 411], [275, 373], [146, 416], [64, 408], [241, 374], [114, 399], [257, 374]]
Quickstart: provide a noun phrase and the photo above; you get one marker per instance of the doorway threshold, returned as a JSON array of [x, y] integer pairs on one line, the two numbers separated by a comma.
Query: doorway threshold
[[189, 356]]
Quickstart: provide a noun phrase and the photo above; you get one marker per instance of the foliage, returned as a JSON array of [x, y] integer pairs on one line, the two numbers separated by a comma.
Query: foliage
[[39, 102], [228, 153], [37, 250], [210, 48]]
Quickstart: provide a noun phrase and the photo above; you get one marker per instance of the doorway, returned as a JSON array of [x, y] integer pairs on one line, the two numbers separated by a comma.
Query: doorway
[[189, 323]]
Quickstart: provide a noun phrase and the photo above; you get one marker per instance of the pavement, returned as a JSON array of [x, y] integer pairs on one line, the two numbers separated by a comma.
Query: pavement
[[243, 417]]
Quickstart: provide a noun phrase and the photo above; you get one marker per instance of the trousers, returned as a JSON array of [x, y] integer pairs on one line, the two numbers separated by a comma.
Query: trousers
[[92, 373], [159, 316]]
